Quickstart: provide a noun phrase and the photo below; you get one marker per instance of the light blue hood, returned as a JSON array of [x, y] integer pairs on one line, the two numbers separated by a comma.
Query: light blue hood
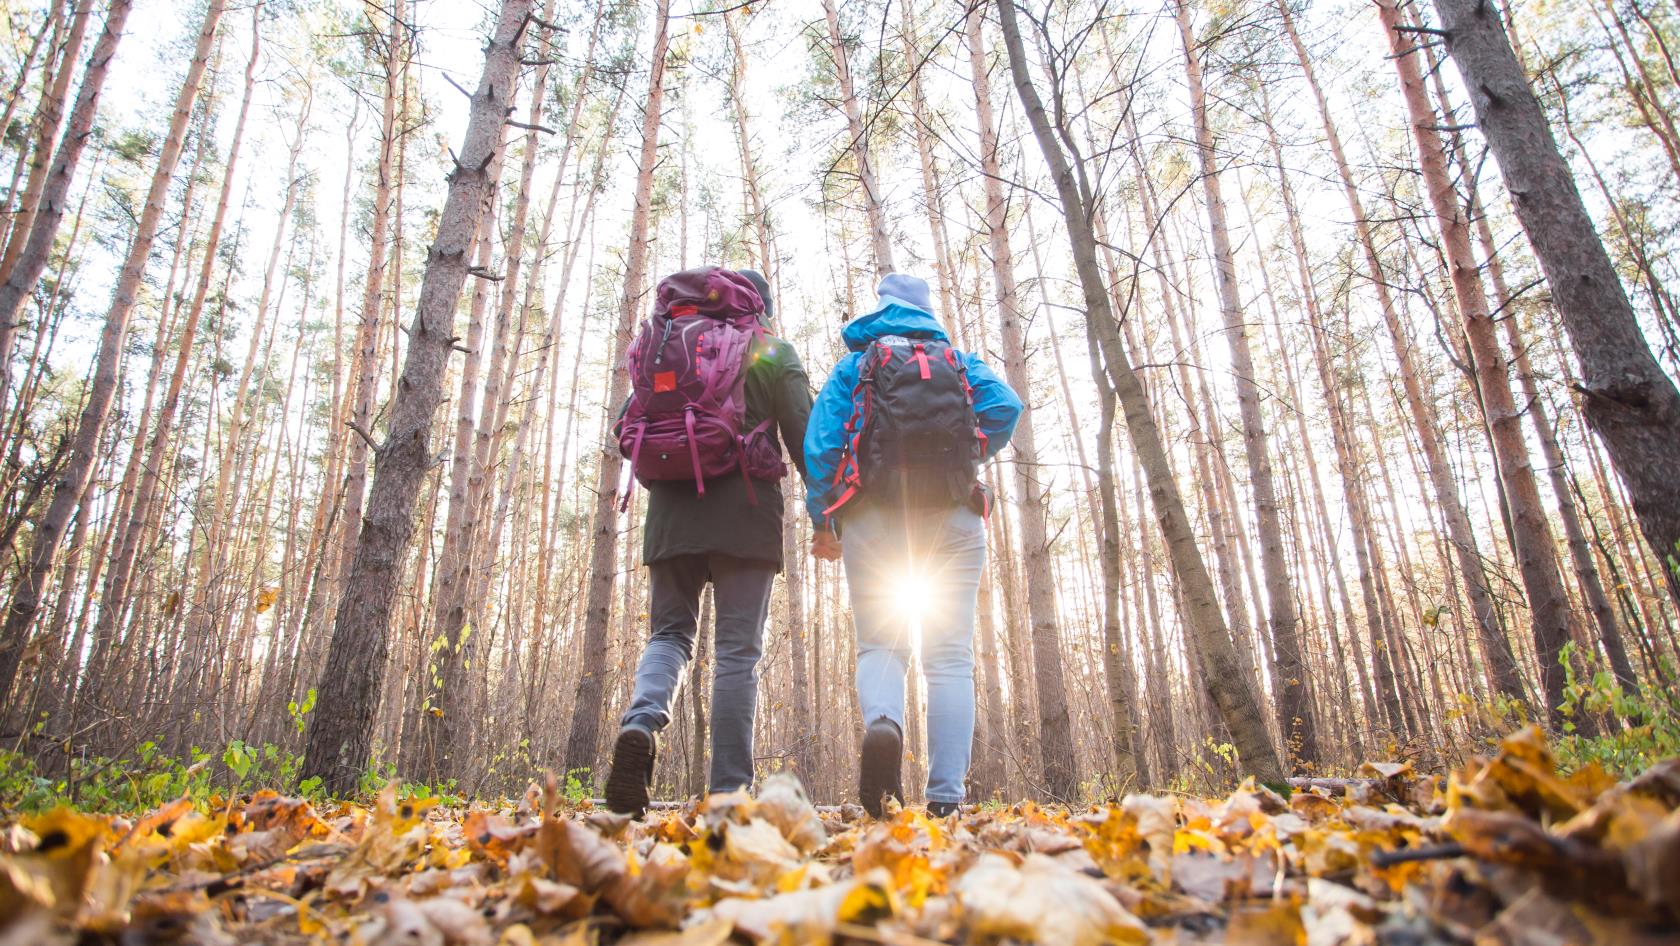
[[893, 318]]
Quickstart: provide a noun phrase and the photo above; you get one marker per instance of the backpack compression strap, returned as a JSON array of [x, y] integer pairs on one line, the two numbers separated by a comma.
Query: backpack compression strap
[[635, 453], [862, 401], [968, 392], [694, 451], [741, 452], [920, 358]]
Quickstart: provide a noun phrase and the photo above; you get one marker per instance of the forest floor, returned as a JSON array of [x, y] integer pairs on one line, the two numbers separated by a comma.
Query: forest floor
[[1503, 851]]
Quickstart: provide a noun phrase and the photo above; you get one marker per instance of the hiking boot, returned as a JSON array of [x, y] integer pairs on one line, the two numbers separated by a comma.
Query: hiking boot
[[942, 809], [883, 752], [632, 771]]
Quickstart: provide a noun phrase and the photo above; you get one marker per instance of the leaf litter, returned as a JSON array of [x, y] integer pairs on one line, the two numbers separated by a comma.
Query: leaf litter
[[1506, 851]]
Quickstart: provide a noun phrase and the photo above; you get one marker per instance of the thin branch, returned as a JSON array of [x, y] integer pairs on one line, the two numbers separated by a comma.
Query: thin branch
[[528, 127], [718, 12], [367, 438], [457, 85]]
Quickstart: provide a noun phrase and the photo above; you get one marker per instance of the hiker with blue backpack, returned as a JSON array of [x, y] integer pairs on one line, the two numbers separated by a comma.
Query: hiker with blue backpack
[[714, 397], [892, 454]]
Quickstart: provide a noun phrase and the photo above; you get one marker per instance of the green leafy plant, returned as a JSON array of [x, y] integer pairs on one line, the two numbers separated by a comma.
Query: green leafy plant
[[576, 789], [299, 711], [1650, 716]]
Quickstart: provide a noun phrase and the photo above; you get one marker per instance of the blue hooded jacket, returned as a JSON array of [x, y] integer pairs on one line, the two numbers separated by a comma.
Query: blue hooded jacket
[[996, 406]]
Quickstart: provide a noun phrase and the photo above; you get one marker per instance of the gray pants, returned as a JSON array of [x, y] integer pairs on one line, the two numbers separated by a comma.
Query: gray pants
[[741, 592]]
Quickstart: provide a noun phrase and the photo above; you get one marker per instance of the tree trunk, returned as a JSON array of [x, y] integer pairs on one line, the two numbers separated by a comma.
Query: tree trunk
[[38, 224], [1220, 665], [1130, 765], [57, 64], [1501, 663], [583, 741], [366, 361], [428, 753], [880, 238], [1295, 711], [1058, 762], [341, 729], [1536, 556], [115, 596], [1632, 406], [90, 426]]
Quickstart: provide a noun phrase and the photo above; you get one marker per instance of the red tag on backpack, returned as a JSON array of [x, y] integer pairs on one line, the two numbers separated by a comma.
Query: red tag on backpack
[[664, 381]]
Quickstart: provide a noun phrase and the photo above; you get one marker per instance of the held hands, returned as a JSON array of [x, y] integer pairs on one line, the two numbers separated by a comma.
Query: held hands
[[825, 545]]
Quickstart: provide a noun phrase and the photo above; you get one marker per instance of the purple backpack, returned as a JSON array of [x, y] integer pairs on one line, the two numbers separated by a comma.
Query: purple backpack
[[687, 413]]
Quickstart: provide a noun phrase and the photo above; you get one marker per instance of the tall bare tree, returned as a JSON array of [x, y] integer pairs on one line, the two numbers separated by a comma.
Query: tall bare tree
[[1295, 712], [1500, 662], [1536, 554], [1630, 403], [1057, 761], [27, 258], [339, 737], [880, 236], [583, 741], [90, 426], [1220, 668]]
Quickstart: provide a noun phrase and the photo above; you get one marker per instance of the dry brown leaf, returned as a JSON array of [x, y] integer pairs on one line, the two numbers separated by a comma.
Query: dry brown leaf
[[1212, 877], [808, 916], [782, 802], [55, 872], [653, 893], [460, 924], [576, 855], [1653, 866], [1042, 902], [1385, 770], [1156, 819], [1278, 925], [756, 852], [710, 933]]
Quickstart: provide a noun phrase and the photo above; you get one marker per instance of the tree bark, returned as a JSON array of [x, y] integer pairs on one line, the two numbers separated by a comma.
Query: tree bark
[[341, 729], [366, 361], [1295, 711], [56, 64], [1629, 402], [114, 599], [1057, 760], [1536, 556], [1496, 647]]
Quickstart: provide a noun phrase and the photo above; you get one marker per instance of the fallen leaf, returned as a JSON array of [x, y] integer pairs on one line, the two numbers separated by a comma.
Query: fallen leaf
[[1042, 902], [782, 802]]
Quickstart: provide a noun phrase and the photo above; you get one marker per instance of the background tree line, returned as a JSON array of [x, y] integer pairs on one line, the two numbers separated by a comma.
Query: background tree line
[[1332, 449]]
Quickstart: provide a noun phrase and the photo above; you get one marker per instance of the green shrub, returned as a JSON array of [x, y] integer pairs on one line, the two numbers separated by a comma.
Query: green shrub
[[1650, 730]]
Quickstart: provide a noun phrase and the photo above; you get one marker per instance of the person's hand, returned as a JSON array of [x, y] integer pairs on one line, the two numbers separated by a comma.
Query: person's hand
[[825, 545]]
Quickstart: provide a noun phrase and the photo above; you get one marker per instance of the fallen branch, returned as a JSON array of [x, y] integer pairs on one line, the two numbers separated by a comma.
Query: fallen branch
[[1339, 786], [1432, 852]]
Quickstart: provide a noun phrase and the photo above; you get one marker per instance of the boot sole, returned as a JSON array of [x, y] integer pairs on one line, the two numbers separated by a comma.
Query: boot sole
[[632, 768], [878, 773]]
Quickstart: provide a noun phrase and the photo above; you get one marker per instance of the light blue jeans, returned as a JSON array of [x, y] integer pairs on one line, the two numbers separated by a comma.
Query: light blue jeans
[[917, 567]]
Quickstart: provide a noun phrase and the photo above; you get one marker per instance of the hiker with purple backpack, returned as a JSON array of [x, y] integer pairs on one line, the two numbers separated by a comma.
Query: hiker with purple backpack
[[714, 398], [892, 453]]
